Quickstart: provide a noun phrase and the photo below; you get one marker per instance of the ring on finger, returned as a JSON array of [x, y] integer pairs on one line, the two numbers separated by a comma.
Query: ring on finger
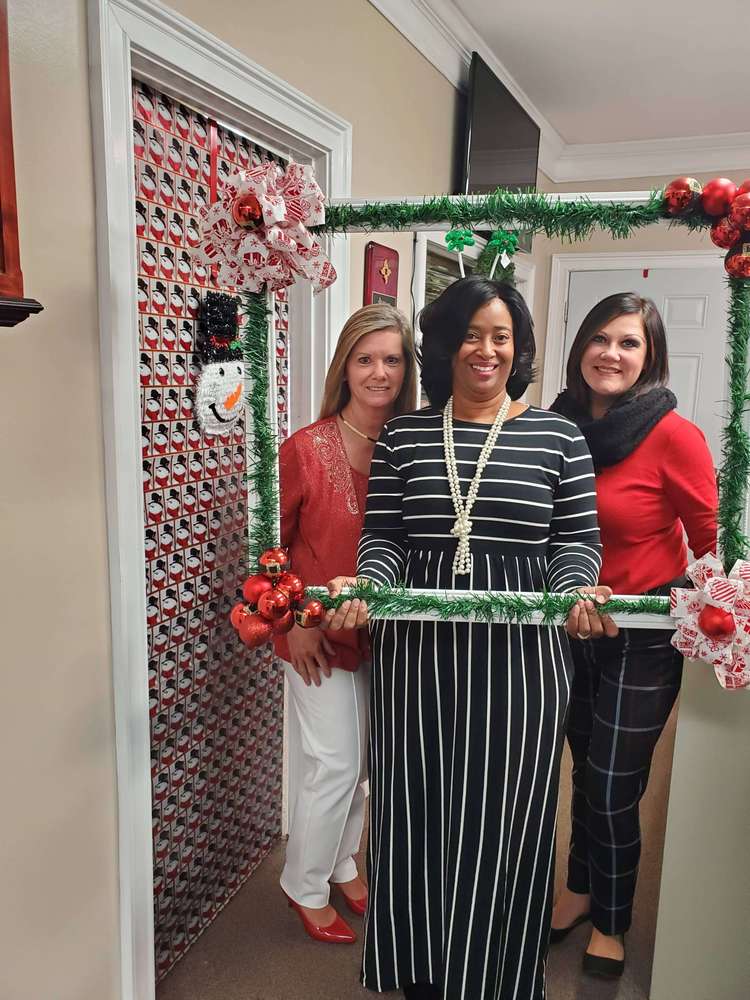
[[583, 635]]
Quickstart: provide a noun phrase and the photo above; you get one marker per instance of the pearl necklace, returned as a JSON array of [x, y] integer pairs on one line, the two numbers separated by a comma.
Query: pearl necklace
[[462, 527]]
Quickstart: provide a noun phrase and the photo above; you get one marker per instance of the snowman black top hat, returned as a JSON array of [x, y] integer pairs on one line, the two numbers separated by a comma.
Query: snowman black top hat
[[218, 338]]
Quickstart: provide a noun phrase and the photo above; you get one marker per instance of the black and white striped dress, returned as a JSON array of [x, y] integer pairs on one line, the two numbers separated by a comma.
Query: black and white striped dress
[[467, 719]]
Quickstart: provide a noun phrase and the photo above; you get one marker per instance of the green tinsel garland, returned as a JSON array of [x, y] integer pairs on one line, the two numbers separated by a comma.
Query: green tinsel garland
[[392, 602], [536, 213], [262, 473], [733, 542]]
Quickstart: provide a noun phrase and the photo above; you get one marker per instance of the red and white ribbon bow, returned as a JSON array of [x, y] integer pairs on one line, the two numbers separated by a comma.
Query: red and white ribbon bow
[[256, 232], [713, 621]]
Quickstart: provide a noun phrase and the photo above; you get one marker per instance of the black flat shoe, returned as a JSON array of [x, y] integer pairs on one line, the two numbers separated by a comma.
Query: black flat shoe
[[605, 968], [558, 934]]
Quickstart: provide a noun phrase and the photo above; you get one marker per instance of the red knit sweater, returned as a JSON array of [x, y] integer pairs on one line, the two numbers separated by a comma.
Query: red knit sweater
[[668, 482]]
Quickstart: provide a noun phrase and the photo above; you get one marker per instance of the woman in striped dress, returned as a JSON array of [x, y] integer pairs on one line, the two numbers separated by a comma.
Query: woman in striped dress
[[477, 492]]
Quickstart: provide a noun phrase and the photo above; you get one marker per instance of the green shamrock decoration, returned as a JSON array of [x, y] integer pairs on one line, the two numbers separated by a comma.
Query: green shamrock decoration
[[458, 239], [503, 242]]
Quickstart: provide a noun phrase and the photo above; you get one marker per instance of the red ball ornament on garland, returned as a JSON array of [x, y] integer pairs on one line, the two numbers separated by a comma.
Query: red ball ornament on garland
[[274, 561], [311, 615], [238, 614], [285, 624], [681, 194], [739, 213], [737, 261], [254, 631], [716, 622], [292, 585], [273, 605], [254, 587], [717, 195], [725, 233], [744, 187], [247, 211]]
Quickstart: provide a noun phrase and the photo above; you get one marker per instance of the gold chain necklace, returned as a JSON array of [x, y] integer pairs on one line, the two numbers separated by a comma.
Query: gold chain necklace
[[356, 430]]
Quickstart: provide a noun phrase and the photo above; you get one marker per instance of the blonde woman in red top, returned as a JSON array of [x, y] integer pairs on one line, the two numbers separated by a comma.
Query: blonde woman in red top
[[324, 470], [655, 482]]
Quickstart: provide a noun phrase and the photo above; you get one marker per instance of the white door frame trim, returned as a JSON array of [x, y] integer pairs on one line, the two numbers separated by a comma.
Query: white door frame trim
[[564, 264], [166, 49]]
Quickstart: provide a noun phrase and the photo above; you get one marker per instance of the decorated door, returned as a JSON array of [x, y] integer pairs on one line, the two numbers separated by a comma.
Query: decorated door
[[216, 707]]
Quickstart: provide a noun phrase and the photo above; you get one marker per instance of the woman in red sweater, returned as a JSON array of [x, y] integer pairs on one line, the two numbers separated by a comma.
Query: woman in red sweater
[[655, 482], [324, 470]]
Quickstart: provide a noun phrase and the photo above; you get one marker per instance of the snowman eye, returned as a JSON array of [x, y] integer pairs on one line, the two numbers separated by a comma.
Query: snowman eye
[[221, 371]]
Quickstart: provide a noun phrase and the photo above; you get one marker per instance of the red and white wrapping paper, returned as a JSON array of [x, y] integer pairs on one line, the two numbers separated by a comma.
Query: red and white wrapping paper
[[730, 655], [278, 249]]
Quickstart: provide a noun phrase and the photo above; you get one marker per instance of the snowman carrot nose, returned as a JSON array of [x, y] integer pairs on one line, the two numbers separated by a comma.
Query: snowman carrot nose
[[233, 397]]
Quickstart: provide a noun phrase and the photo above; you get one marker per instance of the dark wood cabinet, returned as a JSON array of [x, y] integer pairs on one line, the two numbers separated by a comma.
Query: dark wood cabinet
[[13, 306]]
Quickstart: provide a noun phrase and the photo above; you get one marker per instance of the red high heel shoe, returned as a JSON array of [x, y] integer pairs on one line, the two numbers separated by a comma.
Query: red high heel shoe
[[358, 906], [339, 932]]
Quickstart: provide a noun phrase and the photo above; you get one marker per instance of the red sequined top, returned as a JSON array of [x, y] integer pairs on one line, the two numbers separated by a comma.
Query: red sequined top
[[323, 503]]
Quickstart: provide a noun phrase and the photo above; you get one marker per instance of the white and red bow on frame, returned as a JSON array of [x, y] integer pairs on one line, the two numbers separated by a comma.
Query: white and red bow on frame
[[256, 232], [713, 621]]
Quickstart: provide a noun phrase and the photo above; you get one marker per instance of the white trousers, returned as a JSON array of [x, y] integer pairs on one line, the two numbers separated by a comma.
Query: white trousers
[[327, 729]]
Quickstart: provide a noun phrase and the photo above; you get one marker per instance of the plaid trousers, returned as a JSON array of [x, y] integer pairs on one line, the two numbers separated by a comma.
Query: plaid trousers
[[623, 692]]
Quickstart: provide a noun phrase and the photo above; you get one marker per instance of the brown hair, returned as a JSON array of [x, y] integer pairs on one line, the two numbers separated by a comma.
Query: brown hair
[[655, 371], [370, 319]]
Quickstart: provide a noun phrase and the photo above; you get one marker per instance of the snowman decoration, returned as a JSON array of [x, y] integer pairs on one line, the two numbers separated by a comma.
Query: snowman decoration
[[219, 395]]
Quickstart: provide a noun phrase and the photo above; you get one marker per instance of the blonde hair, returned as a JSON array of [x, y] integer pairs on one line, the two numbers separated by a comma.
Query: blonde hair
[[370, 319]]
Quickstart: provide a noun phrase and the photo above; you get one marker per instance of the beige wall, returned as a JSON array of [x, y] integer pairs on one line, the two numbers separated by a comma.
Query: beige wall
[[58, 919], [58, 866]]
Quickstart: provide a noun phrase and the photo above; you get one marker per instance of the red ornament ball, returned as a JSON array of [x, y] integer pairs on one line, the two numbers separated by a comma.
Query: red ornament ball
[[254, 631], [292, 585], [274, 561], [739, 213], [716, 622], [717, 195], [273, 605], [737, 261], [744, 187], [681, 194], [254, 586], [247, 211], [725, 233], [238, 614], [311, 615], [285, 624]]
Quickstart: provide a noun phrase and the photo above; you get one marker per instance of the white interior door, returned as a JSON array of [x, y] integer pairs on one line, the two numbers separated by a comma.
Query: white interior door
[[693, 305]]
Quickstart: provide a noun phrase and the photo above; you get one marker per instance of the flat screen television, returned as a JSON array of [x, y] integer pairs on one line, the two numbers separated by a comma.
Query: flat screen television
[[501, 141]]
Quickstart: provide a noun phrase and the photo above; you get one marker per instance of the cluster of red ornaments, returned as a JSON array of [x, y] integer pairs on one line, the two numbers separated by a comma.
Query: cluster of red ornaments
[[275, 602], [729, 205]]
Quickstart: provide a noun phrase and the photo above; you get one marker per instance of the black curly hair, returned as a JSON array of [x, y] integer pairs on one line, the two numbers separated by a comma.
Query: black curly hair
[[444, 323]]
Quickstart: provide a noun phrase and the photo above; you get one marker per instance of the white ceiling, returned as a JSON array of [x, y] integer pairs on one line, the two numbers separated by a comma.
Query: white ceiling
[[608, 70], [619, 88]]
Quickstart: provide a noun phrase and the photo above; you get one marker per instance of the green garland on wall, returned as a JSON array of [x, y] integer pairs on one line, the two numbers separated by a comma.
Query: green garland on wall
[[263, 457], [394, 602], [733, 542]]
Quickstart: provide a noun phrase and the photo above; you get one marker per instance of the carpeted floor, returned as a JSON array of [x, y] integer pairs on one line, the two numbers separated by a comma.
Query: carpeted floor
[[256, 949]]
